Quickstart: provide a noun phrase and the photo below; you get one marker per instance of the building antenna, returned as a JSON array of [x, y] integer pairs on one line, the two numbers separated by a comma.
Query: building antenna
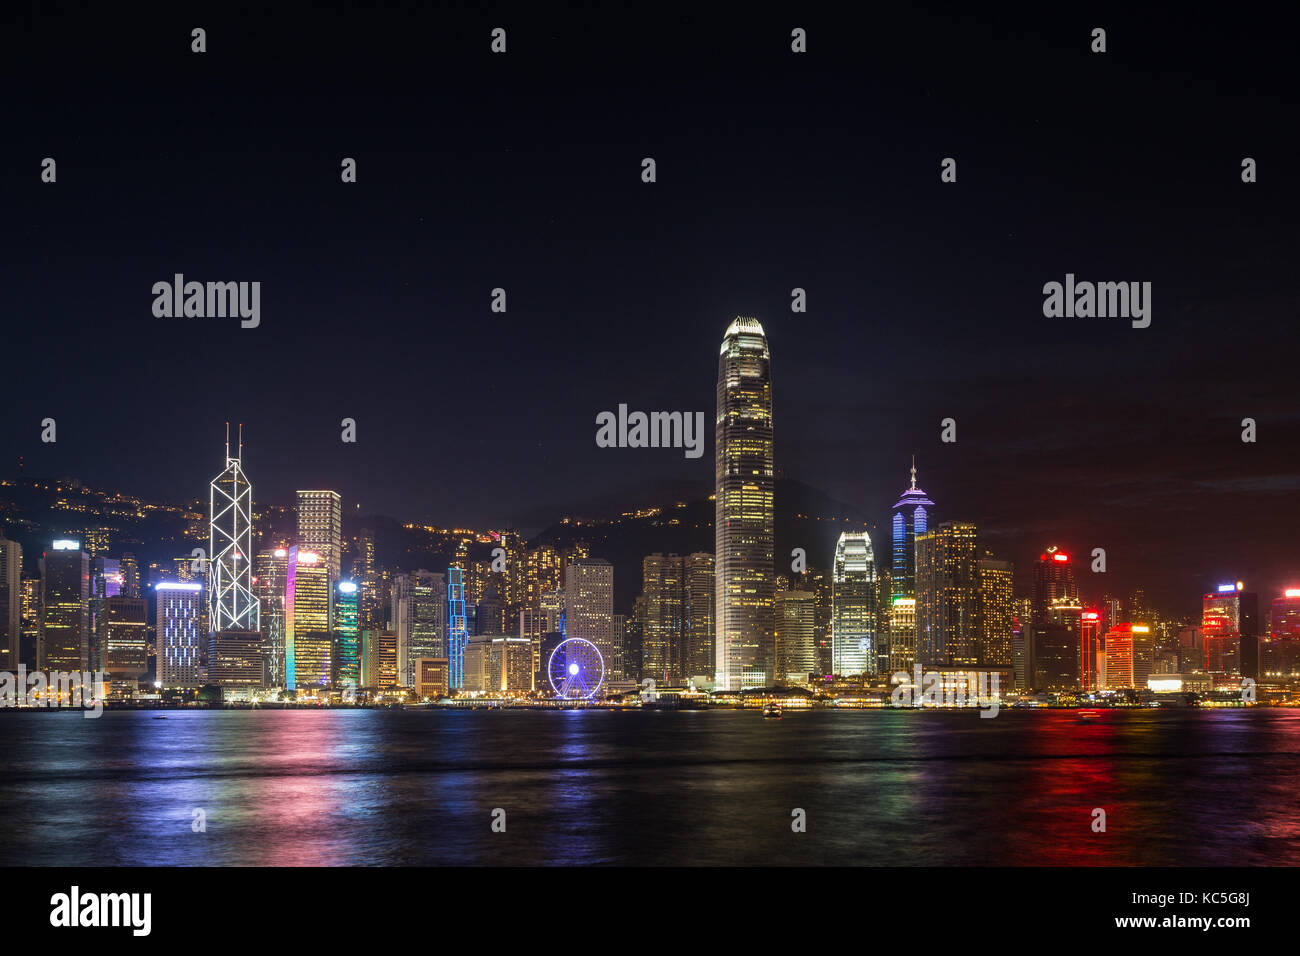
[[227, 441], [913, 472], [241, 441]]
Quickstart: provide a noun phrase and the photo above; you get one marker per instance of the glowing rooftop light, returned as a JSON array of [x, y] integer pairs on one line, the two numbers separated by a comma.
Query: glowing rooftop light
[[1292, 592], [1227, 587], [177, 586], [67, 544], [347, 587], [308, 557]]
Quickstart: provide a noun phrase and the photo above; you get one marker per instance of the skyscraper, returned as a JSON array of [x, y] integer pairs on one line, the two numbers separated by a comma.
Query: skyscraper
[[665, 608], [1230, 622], [796, 644], [457, 628], [307, 639], [853, 607], [744, 525], [589, 603], [947, 596], [179, 617], [230, 546], [912, 516], [700, 614], [270, 576], [11, 602], [349, 638], [1053, 581], [126, 637], [320, 527], [997, 612], [65, 603]]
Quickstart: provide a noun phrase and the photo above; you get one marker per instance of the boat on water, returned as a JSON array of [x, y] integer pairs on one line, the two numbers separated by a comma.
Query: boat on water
[[1086, 716], [772, 710]]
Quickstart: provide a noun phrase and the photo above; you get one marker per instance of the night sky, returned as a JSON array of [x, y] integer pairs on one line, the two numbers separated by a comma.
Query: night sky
[[775, 170]]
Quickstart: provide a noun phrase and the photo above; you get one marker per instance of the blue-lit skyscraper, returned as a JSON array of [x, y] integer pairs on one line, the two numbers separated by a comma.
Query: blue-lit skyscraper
[[912, 516], [457, 634]]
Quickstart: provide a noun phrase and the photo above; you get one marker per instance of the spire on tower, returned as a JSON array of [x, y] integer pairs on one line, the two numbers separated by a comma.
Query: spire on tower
[[227, 441], [913, 472]]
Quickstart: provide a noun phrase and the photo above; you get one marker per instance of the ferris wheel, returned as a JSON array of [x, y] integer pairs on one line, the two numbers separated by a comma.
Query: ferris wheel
[[576, 669]]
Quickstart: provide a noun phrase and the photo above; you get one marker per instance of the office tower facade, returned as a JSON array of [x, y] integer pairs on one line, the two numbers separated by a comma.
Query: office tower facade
[[232, 604], [379, 658], [913, 515], [420, 618], [902, 635], [270, 581], [744, 523], [65, 603], [663, 584], [996, 613], [508, 664], [701, 595], [126, 637], [947, 596], [458, 627], [432, 677], [1057, 647], [180, 639], [1053, 580], [11, 603], [235, 660], [589, 603], [30, 650], [307, 639], [1090, 648], [1128, 657], [853, 607], [320, 527], [1230, 625], [346, 627], [796, 636], [105, 582], [130, 569], [818, 581], [1284, 618]]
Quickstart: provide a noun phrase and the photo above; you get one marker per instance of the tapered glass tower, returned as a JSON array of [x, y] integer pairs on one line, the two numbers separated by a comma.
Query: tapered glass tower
[[853, 606], [744, 646], [233, 606]]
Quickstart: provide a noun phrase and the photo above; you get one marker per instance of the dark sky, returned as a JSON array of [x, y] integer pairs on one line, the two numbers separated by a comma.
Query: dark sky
[[775, 170]]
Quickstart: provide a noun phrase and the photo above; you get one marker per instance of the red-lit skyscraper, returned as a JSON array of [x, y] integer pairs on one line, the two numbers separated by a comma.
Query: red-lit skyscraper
[[1089, 645]]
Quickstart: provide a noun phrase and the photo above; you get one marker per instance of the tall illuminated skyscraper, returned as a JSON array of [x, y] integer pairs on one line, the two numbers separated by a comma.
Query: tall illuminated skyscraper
[[589, 603], [65, 604], [320, 527], [179, 618], [457, 627], [233, 606], [796, 636], [307, 639], [912, 517], [947, 596], [270, 573], [11, 602], [345, 625], [744, 525], [853, 606]]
